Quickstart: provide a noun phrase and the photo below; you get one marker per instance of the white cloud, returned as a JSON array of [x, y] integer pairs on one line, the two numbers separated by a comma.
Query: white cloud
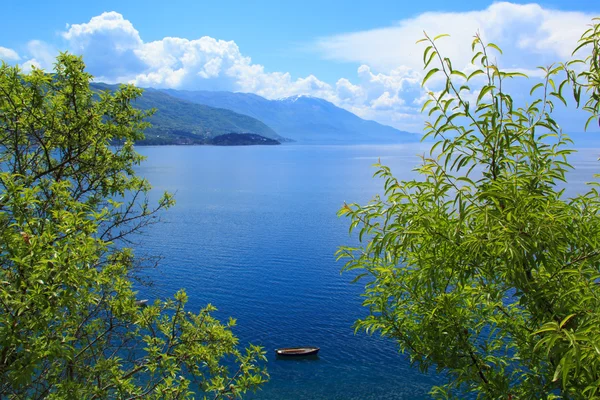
[[114, 52], [30, 64], [386, 86], [386, 98], [110, 27], [550, 34], [530, 35], [7, 54], [109, 44], [387, 102], [175, 62], [42, 55]]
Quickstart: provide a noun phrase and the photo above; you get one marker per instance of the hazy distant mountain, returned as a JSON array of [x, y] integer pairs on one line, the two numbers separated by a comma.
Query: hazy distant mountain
[[178, 121], [301, 118]]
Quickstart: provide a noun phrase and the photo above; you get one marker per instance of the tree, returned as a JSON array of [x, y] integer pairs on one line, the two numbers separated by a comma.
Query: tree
[[481, 267], [70, 324]]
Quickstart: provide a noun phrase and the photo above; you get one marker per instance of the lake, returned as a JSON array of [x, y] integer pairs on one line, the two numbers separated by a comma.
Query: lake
[[254, 232]]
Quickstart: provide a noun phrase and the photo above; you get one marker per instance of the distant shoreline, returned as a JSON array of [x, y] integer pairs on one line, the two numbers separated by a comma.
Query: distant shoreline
[[228, 139]]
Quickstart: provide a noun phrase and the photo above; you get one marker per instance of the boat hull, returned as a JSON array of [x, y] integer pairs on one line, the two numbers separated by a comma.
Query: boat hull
[[297, 351]]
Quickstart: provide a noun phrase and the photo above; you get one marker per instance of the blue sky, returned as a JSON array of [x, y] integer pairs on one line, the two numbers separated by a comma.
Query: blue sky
[[359, 55]]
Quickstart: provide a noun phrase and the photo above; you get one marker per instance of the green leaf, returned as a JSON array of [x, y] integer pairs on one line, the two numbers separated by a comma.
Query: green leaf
[[558, 96], [429, 75], [449, 64], [475, 57], [475, 73], [565, 320], [533, 89], [485, 90], [557, 372], [590, 119], [431, 56], [427, 50], [493, 46], [582, 45], [426, 104], [515, 74], [567, 365], [456, 72]]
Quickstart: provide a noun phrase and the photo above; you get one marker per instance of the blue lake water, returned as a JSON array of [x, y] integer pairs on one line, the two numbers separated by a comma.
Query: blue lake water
[[254, 232]]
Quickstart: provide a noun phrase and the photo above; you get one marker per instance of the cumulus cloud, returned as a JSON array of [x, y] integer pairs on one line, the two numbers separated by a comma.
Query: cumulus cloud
[[530, 34], [384, 97], [109, 44], [42, 55], [386, 86], [7, 54]]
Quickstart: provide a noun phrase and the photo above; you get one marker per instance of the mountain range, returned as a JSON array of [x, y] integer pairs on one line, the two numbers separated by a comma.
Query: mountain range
[[197, 117], [303, 119]]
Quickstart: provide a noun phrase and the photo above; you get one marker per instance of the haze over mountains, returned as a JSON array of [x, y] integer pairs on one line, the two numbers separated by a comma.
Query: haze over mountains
[[197, 117], [303, 119]]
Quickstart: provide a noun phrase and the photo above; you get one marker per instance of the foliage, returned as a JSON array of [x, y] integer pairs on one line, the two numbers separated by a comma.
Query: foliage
[[482, 268], [70, 324], [587, 79]]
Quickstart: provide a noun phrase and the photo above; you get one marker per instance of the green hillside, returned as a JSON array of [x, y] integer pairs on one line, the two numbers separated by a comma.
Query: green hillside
[[178, 121]]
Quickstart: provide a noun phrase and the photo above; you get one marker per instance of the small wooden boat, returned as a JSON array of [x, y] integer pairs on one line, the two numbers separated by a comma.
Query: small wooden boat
[[297, 351], [141, 303]]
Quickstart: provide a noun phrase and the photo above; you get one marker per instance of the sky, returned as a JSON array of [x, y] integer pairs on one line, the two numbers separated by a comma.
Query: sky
[[360, 55]]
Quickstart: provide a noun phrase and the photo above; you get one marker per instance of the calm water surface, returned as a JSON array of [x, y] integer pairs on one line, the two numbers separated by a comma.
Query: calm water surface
[[254, 232]]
